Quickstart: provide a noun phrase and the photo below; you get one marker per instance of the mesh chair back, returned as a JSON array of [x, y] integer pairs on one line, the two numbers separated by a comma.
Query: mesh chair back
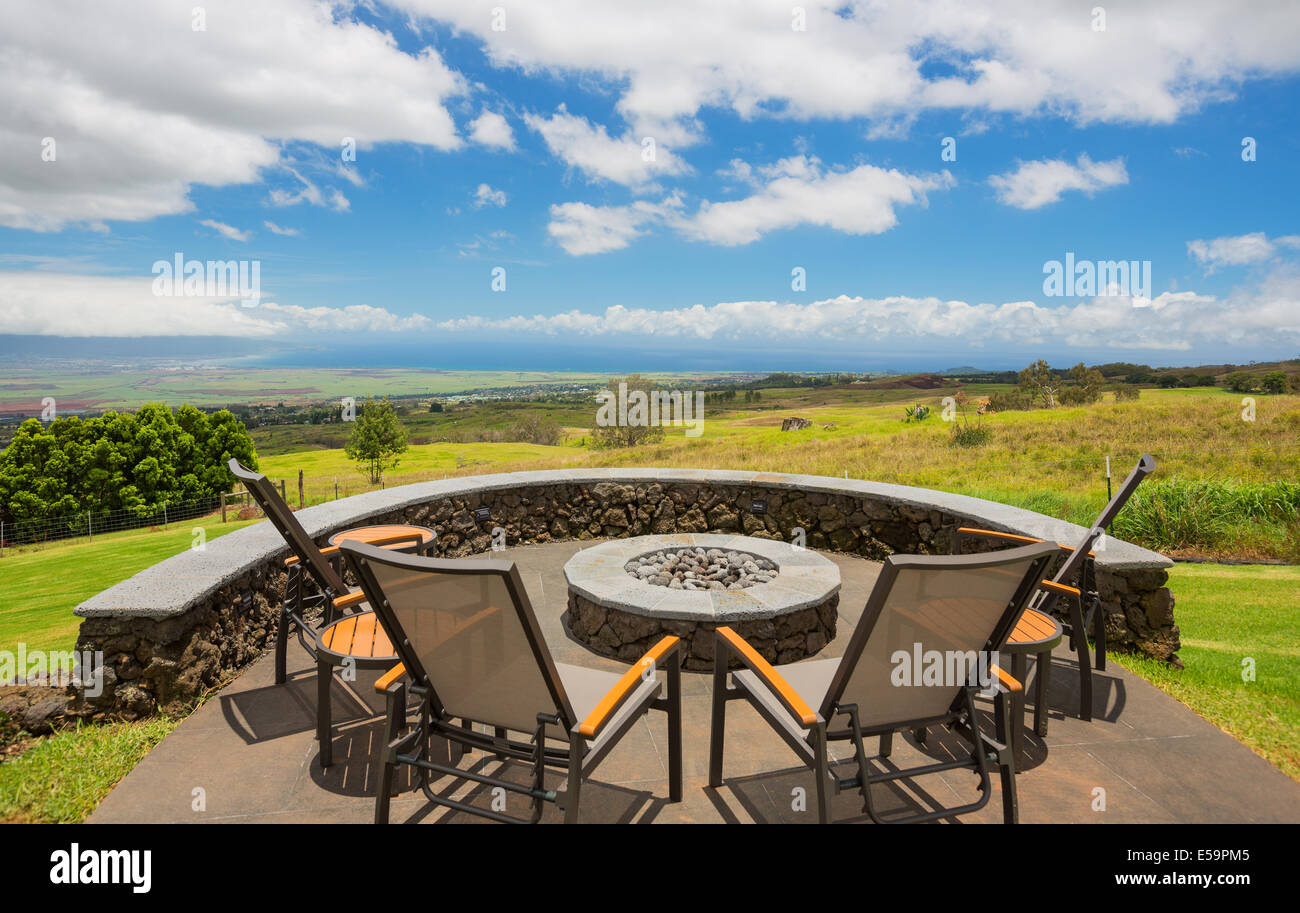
[[925, 627], [287, 524], [466, 630]]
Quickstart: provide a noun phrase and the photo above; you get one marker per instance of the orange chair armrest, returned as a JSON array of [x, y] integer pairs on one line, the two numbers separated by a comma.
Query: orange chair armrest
[[995, 534], [327, 550], [604, 711], [1060, 588], [350, 599], [795, 704], [1008, 682], [389, 678]]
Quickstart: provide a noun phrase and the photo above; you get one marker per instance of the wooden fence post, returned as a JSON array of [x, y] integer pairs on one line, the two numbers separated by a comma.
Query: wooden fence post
[[300, 498], [223, 507]]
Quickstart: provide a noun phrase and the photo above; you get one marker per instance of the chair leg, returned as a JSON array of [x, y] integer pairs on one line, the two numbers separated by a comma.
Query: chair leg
[[675, 728], [1099, 636], [919, 733], [886, 744], [281, 647], [1079, 636], [822, 773], [1019, 664], [394, 725], [1042, 669], [718, 727], [574, 791], [324, 675], [1004, 721]]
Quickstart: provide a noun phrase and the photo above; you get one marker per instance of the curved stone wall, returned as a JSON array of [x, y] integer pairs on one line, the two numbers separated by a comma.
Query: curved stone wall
[[184, 625]]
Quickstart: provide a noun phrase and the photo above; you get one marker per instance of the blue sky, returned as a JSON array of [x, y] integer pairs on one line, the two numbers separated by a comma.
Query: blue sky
[[521, 148]]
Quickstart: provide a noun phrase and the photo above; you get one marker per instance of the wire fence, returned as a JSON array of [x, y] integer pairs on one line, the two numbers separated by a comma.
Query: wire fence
[[89, 524]]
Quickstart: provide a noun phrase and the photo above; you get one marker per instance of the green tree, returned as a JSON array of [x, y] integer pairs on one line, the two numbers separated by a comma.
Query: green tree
[[626, 424], [1274, 382], [120, 461], [377, 439], [1240, 382], [1041, 382]]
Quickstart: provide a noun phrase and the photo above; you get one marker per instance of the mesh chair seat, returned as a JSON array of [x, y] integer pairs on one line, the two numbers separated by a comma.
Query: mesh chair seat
[[586, 687], [810, 680]]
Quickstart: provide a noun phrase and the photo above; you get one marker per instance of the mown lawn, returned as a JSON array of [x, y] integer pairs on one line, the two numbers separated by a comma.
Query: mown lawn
[[1234, 619], [43, 585], [61, 779]]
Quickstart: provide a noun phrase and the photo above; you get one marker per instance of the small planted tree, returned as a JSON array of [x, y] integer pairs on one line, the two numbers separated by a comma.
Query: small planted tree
[[1041, 382], [377, 439]]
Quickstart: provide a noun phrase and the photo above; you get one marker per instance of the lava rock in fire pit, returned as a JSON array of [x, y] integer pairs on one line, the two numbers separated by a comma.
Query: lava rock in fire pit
[[701, 569]]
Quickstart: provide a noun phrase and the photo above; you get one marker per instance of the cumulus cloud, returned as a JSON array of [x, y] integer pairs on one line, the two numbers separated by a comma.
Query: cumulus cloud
[[887, 62], [627, 160], [227, 231], [1172, 321], [1036, 184], [584, 229], [795, 191], [1238, 250], [141, 107], [486, 196], [492, 130], [65, 304], [800, 191]]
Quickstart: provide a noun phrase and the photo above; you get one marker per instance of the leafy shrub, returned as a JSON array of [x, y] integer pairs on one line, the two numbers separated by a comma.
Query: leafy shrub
[[966, 433], [1009, 401], [917, 413], [1127, 394]]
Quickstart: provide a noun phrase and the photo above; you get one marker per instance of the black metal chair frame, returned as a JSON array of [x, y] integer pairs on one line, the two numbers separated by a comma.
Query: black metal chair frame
[[960, 718], [411, 745]]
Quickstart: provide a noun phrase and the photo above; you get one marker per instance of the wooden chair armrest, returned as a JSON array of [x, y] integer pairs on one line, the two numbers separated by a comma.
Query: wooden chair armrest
[[1011, 537], [789, 698], [604, 711], [389, 678], [1060, 588], [350, 599], [1006, 680], [382, 541], [327, 551]]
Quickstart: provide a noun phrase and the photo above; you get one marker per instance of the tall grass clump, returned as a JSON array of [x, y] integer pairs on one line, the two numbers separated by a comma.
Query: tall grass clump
[[1169, 514]]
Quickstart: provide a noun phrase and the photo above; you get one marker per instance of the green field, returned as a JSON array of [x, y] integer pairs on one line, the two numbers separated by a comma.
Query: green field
[[45, 584], [1229, 614]]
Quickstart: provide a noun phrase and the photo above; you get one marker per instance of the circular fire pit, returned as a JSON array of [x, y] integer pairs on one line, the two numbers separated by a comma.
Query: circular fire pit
[[787, 617]]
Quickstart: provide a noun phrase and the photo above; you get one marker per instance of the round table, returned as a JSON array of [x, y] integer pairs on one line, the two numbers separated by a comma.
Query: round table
[[399, 536], [1035, 633]]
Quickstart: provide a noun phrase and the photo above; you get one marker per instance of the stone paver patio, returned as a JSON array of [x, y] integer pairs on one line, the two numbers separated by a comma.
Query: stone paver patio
[[251, 751]]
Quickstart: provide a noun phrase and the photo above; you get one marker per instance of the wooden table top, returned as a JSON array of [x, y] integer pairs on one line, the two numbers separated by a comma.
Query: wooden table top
[[1035, 629], [373, 533]]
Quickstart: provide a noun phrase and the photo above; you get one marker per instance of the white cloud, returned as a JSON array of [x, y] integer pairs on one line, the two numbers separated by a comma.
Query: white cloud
[[310, 193], [858, 58], [63, 304], [794, 191], [141, 107], [492, 130], [1172, 321], [1237, 250], [1036, 184], [281, 230], [227, 231], [589, 148], [584, 229], [800, 191], [486, 196]]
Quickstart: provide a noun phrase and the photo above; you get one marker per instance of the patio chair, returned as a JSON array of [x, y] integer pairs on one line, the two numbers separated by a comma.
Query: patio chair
[[353, 639], [472, 653], [1079, 567], [959, 606]]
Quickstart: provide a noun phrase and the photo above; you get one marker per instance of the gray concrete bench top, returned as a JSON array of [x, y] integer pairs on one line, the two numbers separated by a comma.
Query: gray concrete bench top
[[175, 585], [806, 579]]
